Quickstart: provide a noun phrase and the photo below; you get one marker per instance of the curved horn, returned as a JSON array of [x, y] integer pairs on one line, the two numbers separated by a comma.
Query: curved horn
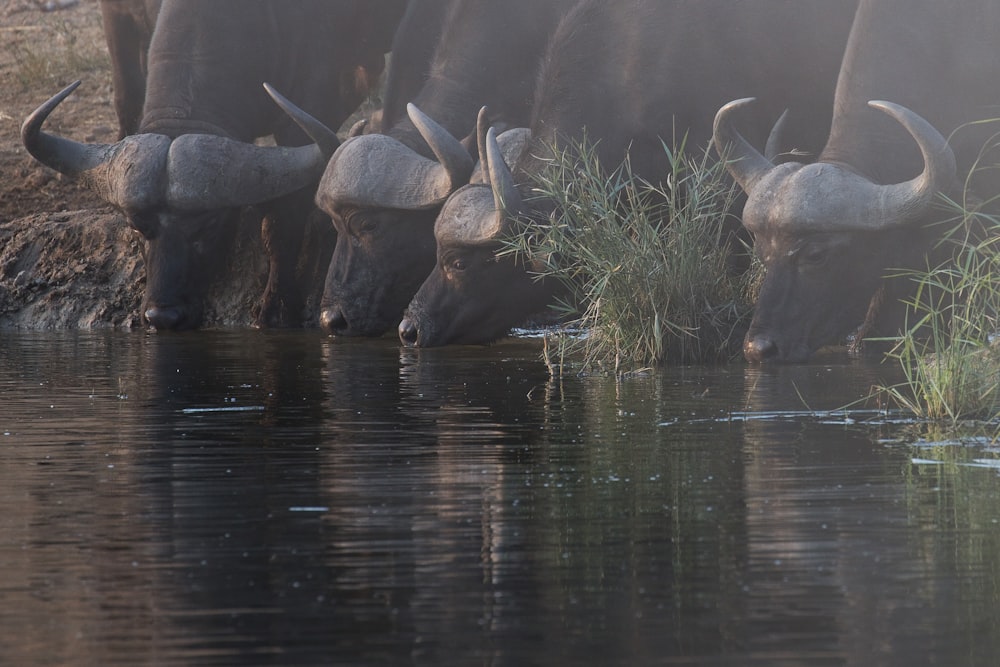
[[206, 171], [772, 149], [324, 137], [506, 197], [449, 151], [65, 156], [127, 174], [482, 127], [744, 163], [903, 202]]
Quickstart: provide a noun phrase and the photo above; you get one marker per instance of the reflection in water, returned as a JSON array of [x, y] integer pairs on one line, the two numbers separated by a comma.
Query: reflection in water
[[835, 548], [236, 453], [286, 498]]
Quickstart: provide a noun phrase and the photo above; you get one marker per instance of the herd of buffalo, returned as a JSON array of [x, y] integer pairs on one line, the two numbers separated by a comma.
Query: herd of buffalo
[[846, 123]]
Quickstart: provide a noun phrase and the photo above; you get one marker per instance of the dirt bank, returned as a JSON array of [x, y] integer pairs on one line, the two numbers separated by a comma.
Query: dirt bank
[[67, 260]]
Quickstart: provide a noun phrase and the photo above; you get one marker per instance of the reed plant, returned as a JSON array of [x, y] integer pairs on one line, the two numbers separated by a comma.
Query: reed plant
[[646, 266], [949, 351]]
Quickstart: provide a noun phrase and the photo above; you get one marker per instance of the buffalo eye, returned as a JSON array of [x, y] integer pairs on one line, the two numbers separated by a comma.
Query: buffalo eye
[[458, 264], [360, 223], [814, 255]]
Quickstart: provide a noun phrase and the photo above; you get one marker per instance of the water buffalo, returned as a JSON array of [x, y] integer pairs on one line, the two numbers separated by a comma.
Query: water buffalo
[[181, 180], [828, 232], [624, 75], [128, 28], [383, 190]]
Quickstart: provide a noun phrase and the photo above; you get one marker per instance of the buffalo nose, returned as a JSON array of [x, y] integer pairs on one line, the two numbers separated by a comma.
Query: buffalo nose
[[164, 318], [759, 348], [408, 333], [332, 320]]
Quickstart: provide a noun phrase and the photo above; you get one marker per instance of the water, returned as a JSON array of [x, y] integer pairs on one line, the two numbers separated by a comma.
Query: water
[[268, 498]]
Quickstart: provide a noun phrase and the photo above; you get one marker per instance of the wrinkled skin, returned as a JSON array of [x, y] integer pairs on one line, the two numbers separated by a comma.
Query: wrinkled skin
[[206, 64], [381, 257], [240, 107], [171, 243], [446, 310], [785, 323], [380, 262], [943, 63], [662, 78]]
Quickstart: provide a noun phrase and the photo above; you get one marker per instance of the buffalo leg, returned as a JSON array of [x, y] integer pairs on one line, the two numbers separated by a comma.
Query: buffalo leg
[[127, 45], [296, 271]]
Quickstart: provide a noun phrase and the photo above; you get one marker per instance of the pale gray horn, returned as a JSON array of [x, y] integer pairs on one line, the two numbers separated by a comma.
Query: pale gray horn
[[904, 202], [452, 156], [208, 172], [65, 156], [482, 127], [506, 197], [324, 137], [744, 163], [772, 149], [128, 174]]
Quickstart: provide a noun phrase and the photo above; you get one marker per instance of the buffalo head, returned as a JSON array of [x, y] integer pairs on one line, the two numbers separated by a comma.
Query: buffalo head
[[827, 234], [383, 197], [178, 194], [472, 295]]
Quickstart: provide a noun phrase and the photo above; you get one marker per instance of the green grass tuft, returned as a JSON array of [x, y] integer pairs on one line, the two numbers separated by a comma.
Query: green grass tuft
[[948, 350], [647, 266]]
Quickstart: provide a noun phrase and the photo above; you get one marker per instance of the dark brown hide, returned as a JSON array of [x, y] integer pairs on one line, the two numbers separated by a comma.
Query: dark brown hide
[[488, 55], [207, 61], [656, 79], [826, 263]]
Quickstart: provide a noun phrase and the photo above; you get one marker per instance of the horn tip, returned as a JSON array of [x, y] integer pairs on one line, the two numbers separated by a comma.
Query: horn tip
[[741, 102], [416, 115], [275, 95], [726, 110], [33, 123]]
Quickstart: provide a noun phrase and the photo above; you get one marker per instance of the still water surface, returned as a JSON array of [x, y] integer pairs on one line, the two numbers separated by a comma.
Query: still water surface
[[245, 498]]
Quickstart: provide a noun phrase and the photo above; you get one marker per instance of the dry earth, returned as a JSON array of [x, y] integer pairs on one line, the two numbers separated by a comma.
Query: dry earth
[[67, 260]]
